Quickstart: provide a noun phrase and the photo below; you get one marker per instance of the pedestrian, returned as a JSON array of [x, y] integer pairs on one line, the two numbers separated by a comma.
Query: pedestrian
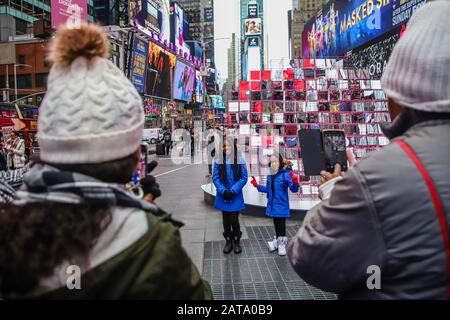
[[74, 217], [382, 228], [229, 178], [3, 158], [280, 180], [15, 151], [167, 137], [212, 143]]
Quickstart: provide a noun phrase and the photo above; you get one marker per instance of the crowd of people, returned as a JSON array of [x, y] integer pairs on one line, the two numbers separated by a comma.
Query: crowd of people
[[389, 211]]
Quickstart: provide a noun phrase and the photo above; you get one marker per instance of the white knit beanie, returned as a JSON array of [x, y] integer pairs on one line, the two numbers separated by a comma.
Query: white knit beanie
[[418, 72], [91, 112]]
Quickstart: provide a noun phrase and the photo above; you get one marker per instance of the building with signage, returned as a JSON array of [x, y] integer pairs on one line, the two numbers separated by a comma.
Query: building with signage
[[252, 36], [302, 11], [366, 42], [17, 16], [31, 71]]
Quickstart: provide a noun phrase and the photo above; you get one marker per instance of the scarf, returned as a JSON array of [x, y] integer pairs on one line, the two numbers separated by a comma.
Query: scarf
[[45, 183]]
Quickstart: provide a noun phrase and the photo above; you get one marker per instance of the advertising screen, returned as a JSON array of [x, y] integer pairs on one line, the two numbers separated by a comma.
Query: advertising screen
[[252, 26], [138, 64], [181, 24], [151, 16], [374, 57], [183, 81], [252, 10], [199, 88], [71, 12], [344, 25], [159, 65]]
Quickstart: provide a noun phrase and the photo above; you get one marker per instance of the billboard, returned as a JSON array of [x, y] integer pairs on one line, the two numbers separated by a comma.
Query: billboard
[[199, 88], [253, 42], [253, 60], [70, 11], [181, 25], [374, 57], [252, 26], [183, 82], [151, 16], [138, 64], [344, 25], [253, 10], [159, 66], [209, 15]]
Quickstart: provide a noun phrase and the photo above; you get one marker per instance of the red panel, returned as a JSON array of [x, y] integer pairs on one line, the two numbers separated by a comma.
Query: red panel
[[244, 85], [288, 74], [255, 75], [258, 106], [255, 85], [242, 95], [308, 63], [299, 85], [266, 75]]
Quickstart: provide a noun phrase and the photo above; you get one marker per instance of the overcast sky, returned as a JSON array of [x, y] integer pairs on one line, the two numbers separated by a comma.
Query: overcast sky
[[226, 21]]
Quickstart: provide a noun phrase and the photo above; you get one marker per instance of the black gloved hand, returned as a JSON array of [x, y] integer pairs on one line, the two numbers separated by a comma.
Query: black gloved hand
[[228, 195], [149, 184]]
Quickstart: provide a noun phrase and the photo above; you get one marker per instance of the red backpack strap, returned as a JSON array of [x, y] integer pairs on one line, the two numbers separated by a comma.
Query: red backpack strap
[[439, 208]]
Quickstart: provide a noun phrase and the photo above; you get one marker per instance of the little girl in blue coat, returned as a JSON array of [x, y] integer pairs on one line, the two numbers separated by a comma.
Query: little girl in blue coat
[[278, 183], [229, 178]]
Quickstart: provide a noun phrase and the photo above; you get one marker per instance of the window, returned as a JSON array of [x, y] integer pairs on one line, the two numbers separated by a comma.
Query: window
[[21, 60], [41, 80], [23, 81]]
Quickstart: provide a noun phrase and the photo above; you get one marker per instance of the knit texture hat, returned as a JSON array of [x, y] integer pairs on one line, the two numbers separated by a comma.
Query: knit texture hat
[[91, 112], [418, 72]]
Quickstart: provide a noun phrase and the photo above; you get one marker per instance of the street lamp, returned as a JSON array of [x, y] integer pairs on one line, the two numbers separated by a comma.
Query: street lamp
[[15, 76]]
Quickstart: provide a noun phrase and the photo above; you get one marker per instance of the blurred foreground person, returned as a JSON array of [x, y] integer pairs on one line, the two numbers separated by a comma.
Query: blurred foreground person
[[383, 232], [75, 232]]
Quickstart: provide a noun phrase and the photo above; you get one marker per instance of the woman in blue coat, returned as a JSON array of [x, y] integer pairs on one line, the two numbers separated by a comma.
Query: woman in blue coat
[[278, 183], [229, 178]]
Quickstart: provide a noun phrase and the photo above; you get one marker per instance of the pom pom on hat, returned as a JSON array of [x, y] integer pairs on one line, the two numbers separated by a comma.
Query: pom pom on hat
[[88, 41], [91, 112]]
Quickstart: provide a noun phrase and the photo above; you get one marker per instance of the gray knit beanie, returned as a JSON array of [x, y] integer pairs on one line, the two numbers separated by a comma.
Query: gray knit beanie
[[418, 72], [91, 112]]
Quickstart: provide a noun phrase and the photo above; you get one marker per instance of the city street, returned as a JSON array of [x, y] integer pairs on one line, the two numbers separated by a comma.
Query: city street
[[255, 273]]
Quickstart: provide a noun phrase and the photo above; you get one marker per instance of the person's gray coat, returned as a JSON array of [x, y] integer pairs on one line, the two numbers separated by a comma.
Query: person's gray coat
[[381, 214]]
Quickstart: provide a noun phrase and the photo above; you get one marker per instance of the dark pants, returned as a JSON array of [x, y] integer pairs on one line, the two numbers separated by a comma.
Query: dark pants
[[280, 226], [231, 223], [167, 148], [210, 168]]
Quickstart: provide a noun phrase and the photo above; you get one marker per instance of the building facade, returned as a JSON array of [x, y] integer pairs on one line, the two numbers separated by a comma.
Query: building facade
[[302, 12], [252, 36], [17, 16], [31, 70]]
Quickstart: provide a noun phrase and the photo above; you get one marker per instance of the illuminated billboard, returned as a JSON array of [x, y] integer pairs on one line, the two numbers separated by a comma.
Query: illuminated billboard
[[71, 12], [183, 82], [344, 25], [138, 64], [151, 16], [253, 26], [159, 65], [181, 24]]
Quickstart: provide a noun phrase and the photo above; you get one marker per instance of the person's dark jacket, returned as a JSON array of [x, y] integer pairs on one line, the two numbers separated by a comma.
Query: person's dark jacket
[[155, 266]]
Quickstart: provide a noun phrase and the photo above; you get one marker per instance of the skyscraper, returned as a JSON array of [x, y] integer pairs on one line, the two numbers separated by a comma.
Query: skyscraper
[[252, 36]]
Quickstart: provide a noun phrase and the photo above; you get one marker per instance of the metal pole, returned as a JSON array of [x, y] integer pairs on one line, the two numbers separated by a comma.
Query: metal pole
[[15, 82], [7, 83]]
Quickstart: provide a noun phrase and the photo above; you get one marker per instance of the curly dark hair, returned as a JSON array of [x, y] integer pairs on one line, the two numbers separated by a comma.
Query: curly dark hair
[[36, 238]]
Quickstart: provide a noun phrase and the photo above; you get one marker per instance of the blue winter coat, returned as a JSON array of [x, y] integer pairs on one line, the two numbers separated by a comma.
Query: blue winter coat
[[237, 203], [278, 205]]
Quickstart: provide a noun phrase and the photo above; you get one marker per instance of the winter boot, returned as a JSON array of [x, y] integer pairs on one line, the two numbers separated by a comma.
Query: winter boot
[[273, 244], [282, 243], [229, 244], [236, 242]]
